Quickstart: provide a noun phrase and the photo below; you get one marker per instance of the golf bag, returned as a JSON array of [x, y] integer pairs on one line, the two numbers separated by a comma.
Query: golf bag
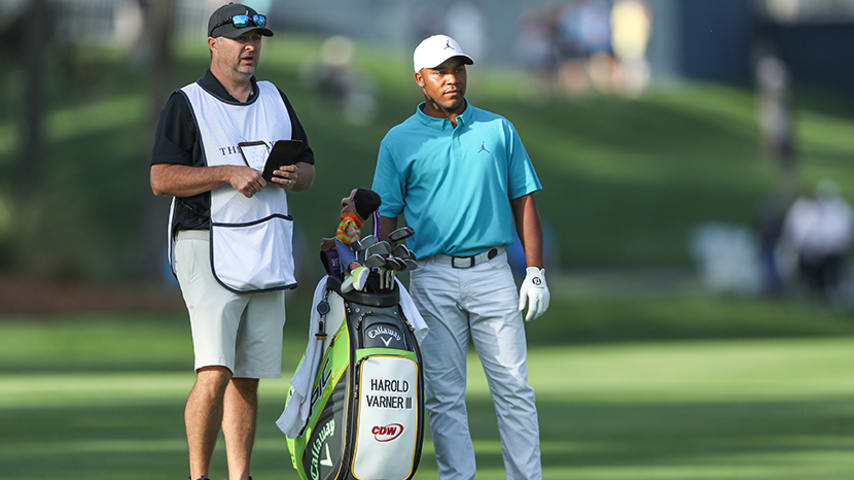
[[366, 417]]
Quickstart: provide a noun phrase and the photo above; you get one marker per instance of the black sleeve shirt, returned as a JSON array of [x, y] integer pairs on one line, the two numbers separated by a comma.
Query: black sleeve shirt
[[177, 141]]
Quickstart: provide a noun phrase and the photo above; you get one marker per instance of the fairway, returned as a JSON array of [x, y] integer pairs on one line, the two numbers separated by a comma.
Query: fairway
[[728, 409]]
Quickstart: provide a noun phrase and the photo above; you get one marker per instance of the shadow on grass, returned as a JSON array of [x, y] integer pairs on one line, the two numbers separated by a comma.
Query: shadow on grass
[[147, 441], [595, 436]]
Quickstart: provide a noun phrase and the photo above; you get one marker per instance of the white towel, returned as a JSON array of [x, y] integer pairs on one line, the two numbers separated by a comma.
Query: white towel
[[293, 417], [413, 316], [296, 412]]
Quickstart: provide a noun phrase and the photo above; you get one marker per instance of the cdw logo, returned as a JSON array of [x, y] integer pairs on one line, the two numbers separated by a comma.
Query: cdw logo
[[387, 433]]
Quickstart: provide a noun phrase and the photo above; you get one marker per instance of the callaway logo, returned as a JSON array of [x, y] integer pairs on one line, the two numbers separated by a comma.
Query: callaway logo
[[326, 462], [387, 433], [483, 148], [324, 432], [536, 281], [380, 330]]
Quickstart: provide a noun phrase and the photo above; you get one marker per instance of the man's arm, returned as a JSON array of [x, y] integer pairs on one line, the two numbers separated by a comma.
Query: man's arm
[[533, 293], [184, 181], [529, 229], [172, 171], [387, 225]]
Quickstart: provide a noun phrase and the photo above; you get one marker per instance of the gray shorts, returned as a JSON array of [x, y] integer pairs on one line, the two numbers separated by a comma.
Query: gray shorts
[[242, 332]]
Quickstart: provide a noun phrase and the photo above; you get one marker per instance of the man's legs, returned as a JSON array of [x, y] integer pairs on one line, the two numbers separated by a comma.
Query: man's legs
[[258, 354], [435, 290], [240, 410], [203, 416], [498, 334], [225, 344]]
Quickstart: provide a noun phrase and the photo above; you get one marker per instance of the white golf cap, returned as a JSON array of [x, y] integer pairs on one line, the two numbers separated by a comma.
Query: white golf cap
[[432, 51]]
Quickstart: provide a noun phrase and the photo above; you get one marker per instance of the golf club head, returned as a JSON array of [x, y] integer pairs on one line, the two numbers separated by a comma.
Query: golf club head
[[400, 234], [356, 246], [378, 248], [396, 263], [374, 261], [410, 264], [367, 241], [402, 252]]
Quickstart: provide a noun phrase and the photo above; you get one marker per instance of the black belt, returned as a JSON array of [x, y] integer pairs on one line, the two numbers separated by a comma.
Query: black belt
[[470, 261]]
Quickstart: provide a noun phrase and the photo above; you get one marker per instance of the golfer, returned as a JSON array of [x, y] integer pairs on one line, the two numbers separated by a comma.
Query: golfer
[[463, 180], [230, 231]]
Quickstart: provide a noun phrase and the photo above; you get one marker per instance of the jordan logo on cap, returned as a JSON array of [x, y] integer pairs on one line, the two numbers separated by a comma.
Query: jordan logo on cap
[[447, 45]]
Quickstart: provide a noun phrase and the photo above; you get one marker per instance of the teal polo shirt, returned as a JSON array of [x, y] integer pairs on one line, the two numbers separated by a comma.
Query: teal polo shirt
[[454, 185]]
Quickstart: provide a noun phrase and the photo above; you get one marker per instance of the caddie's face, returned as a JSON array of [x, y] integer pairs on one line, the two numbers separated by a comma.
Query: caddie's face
[[445, 84], [348, 204], [239, 55]]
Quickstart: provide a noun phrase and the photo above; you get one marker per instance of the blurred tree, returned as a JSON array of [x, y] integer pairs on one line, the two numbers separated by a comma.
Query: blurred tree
[[31, 161], [159, 25]]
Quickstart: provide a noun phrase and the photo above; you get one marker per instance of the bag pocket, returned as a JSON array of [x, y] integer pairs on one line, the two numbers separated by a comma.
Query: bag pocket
[[387, 423], [255, 256]]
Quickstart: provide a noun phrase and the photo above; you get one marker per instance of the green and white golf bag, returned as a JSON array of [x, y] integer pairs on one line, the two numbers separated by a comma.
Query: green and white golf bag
[[366, 418]]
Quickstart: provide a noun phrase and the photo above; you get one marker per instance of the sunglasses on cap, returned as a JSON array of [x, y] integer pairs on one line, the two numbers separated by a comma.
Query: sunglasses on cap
[[240, 21]]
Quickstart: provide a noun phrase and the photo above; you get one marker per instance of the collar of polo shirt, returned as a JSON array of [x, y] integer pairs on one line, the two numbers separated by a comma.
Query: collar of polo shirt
[[442, 123]]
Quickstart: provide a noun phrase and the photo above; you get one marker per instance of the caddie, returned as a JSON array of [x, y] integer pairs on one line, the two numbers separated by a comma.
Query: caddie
[[230, 231], [463, 180]]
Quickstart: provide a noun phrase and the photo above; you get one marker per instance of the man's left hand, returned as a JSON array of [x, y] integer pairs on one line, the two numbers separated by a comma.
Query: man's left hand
[[286, 176], [534, 293]]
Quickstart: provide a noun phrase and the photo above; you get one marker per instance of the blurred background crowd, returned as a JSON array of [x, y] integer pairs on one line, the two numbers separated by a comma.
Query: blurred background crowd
[[752, 91]]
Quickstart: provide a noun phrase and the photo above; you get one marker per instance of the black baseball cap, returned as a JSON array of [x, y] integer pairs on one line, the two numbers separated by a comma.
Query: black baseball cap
[[220, 23]]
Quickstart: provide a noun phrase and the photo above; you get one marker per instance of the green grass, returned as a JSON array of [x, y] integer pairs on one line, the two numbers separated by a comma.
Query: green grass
[[625, 180], [727, 409], [627, 389]]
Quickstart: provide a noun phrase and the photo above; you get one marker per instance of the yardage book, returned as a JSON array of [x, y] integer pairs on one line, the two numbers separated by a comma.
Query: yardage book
[[284, 152]]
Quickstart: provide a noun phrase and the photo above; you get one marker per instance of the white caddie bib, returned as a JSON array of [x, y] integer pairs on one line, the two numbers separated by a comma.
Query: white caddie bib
[[251, 238]]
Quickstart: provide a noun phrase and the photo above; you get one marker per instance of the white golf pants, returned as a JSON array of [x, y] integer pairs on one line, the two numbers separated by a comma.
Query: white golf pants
[[480, 302]]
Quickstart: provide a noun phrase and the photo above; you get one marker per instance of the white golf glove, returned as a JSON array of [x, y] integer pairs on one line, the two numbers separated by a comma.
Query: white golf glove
[[534, 293]]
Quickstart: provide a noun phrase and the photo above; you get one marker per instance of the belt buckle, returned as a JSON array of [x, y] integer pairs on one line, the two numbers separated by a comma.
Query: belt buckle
[[454, 262]]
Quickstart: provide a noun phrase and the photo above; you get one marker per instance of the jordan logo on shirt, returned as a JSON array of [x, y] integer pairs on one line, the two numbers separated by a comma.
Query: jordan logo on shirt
[[483, 148]]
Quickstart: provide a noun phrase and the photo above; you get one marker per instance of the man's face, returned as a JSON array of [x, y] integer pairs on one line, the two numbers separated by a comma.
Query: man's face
[[238, 55], [445, 84], [348, 204]]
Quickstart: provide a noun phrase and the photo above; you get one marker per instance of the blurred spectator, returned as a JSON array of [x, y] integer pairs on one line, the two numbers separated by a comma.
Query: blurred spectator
[[128, 20], [429, 20], [572, 70], [584, 44], [770, 217], [335, 76], [819, 228], [594, 30], [536, 48], [631, 24], [465, 24], [775, 122]]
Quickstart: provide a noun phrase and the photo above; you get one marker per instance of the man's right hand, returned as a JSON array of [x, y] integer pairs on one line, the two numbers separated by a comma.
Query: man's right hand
[[246, 180]]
